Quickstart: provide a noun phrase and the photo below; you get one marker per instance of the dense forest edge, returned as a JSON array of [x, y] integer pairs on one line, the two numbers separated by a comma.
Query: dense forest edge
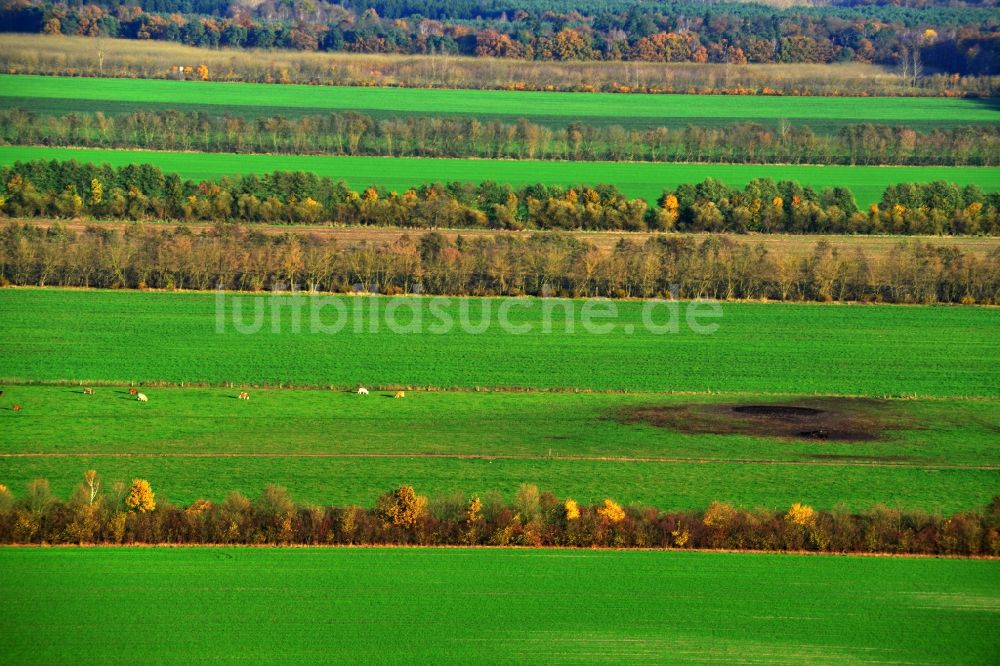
[[957, 40], [130, 514]]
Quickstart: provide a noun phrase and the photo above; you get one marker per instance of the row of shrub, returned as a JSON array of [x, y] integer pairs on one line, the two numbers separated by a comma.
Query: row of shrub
[[143, 192], [130, 514]]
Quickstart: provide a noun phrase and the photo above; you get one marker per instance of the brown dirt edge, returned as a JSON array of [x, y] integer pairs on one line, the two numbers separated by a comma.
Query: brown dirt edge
[[860, 462], [375, 546]]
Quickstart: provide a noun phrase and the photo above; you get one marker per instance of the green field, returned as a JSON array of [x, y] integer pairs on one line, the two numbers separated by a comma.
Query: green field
[[645, 180], [332, 446], [336, 448], [757, 348], [47, 94], [500, 606]]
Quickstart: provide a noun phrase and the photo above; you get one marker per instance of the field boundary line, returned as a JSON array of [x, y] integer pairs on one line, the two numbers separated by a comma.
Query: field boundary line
[[487, 547], [412, 295], [334, 388], [486, 457]]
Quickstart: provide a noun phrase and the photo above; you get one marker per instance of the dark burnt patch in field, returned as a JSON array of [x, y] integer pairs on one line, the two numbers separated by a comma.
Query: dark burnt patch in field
[[816, 419]]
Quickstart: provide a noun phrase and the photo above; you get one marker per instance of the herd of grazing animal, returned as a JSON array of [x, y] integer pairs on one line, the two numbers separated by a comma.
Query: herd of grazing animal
[[142, 397]]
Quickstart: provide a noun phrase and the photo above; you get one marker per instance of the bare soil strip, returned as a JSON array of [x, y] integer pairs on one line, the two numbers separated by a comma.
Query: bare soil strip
[[811, 419]]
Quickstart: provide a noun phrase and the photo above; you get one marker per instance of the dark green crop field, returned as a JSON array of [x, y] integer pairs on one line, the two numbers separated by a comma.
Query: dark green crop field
[[67, 95], [459, 606], [645, 180], [344, 341]]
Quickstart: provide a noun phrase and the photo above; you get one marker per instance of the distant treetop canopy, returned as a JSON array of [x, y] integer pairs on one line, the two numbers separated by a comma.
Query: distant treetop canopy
[[960, 37]]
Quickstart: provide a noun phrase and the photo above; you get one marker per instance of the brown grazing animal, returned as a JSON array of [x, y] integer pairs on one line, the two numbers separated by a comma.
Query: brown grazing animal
[[133, 391], [88, 391], [16, 408], [400, 394], [244, 395], [1, 394]]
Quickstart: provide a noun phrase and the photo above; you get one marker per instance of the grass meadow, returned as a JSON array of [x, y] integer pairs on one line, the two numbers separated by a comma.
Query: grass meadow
[[342, 341], [47, 94], [331, 446], [497, 605], [334, 447], [645, 180]]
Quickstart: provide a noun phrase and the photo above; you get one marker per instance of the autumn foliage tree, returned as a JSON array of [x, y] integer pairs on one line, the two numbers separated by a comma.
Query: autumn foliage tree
[[611, 511], [401, 508], [140, 496]]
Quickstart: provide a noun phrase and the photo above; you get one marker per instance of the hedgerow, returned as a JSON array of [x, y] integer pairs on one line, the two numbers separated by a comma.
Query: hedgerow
[[402, 517]]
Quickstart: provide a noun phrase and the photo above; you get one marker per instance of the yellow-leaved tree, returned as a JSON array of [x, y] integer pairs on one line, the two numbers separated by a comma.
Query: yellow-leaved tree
[[401, 508], [474, 513], [572, 509], [612, 511], [801, 514], [719, 515], [140, 496]]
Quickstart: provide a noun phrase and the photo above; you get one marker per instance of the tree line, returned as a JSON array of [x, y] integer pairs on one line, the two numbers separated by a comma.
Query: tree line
[[961, 40], [131, 514], [539, 264], [69, 189], [353, 133], [122, 58]]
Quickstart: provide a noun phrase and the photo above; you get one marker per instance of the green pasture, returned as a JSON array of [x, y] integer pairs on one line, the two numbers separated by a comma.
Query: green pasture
[[332, 446], [226, 605], [645, 180], [676, 485], [536, 425], [342, 341], [49, 94], [335, 447]]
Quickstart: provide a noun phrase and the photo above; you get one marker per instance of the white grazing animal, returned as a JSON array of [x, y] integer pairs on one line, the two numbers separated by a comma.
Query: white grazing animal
[[362, 391], [141, 397]]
